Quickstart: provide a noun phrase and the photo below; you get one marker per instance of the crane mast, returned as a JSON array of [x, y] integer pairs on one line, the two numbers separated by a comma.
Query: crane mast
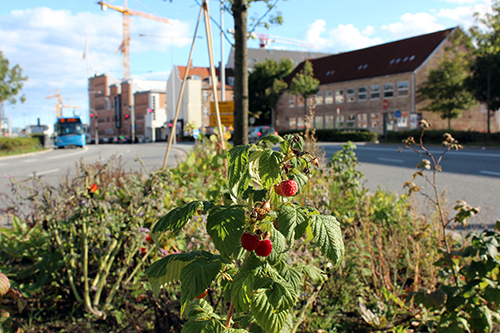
[[125, 45]]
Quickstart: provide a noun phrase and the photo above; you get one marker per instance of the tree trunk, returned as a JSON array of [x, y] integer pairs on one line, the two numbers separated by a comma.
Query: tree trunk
[[449, 119], [240, 15], [488, 97]]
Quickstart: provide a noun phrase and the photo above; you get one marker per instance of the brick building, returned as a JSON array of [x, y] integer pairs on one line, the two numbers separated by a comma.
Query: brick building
[[368, 88], [120, 104]]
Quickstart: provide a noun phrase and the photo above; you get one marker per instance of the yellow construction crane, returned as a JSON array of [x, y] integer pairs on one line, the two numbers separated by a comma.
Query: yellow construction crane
[[125, 46], [59, 105]]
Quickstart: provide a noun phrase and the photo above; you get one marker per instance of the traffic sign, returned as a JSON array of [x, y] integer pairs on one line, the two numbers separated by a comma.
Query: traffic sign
[[385, 103], [226, 119], [224, 107], [397, 114]]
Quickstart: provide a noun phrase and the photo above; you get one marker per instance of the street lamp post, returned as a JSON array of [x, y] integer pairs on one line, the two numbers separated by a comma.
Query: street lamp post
[[94, 115]]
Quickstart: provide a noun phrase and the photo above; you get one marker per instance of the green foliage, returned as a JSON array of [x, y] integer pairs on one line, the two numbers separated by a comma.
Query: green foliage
[[446, 88], [11, 81], [304, 83], [11, 146], [267, 286], [265, 86], [338, 135], [436, 136]]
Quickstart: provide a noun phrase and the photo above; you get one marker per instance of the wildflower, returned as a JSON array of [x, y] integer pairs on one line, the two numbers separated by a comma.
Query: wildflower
[[144, 229], [93, 188]]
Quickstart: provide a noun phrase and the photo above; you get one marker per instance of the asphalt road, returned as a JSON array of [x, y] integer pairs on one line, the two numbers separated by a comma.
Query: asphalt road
[[472, 175], [469, 174]]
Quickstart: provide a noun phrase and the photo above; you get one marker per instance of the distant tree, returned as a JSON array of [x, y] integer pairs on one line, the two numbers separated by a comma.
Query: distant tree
[[265, 86], [446, 88], [485, 47], [11, 82], [304, 83]]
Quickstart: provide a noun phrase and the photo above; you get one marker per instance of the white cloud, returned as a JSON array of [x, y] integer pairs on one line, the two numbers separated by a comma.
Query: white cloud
[[49, 44], [412, 25], [343, 38]]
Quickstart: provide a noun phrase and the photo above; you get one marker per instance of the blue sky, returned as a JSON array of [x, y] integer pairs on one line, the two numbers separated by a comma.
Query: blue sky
[[47, 38]]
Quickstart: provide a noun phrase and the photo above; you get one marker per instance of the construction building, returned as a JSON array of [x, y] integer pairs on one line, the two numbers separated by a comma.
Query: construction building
[[115, 106], [376, 89]]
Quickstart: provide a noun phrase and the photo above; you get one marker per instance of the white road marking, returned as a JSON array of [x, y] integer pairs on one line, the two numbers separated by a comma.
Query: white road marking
[[30, 160], [80, 151], [390, 160], [490, 173], [43, 172], [2, 164], [432, 151]]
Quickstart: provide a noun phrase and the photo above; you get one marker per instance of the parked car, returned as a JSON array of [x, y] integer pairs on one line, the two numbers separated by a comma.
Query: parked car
[[258, 132]]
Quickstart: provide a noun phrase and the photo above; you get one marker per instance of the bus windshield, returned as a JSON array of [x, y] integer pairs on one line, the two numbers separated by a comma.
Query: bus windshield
[[70, 129]]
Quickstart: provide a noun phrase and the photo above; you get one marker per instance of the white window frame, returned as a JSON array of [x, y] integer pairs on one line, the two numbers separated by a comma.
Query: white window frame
[[389, 90], [350, 95], [375, 91], [319, 98], [339, 96], [403, 89], [329, 97], [362, 94], [291, 101]]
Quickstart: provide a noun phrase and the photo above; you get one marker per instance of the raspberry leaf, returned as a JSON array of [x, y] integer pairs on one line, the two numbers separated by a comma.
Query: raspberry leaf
[[202, 319], [4, 284], [238, 164], [177, 218], [273, 138], [316, 274], [168, 269], [242, 286], [269, 167], [197, 277], [225, 225], [267, 317], [328, 237], [289, 218]]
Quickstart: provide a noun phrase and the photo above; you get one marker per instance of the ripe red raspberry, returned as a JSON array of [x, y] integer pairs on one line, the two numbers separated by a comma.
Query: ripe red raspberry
[[264, 248], [288, 188], [249, 241]]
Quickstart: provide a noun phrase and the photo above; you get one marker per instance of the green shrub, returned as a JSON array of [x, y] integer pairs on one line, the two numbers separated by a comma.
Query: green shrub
[[335, 135], [436, 137], [18, 145]]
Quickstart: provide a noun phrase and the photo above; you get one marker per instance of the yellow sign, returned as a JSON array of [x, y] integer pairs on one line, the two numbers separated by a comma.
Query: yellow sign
[[226, 119], [224, 107]]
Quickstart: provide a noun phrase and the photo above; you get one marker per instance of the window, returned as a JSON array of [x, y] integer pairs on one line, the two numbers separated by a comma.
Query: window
[[403, 120], [375, 92], [329, 97], [374, 120], [319, 98], [205, 96], [351, 121], [362, 120], [300, 123], [300, 101], [291, 101], [310, 100], [108, 104], [292, 123], [205, 112], [362, 94], [339, 96], [329, 121], [351, 95], [340, 121], [319, 122], [403, 89], [389, 90]]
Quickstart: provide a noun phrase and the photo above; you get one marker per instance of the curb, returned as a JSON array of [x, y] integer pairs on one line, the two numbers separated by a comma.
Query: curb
[[26, 154]]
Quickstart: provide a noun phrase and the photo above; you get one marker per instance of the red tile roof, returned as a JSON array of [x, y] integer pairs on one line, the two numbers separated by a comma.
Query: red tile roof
[[203, 72], [392, 58]]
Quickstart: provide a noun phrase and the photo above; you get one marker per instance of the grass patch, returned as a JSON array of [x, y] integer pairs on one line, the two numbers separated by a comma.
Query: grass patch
[[15, 146]]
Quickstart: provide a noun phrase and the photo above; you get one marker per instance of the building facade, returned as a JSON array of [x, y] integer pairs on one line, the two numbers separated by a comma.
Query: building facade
[[117, 107], [376, 89]]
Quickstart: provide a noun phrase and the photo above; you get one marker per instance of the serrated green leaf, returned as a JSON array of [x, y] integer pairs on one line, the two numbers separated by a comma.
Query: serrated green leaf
[[270, 320], [4, 284], [200, 309], [209, 325], [253, 169], [292, 275], [234, 330], [197, 277], [243, 183], [328, 237], [269, 167], [238, 163], [289, 217], [225, 225], [316, 274], [243, 284], [168, 269], [272, 138], [281, 296], [177, 218]]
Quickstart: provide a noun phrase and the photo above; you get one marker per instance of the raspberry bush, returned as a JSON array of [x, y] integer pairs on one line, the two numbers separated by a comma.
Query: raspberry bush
[[260, 286]]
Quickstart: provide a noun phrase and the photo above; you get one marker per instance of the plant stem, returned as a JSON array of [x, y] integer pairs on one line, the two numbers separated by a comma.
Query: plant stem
[[230, 314], [86, 295], [302, 312], [116, 286]]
